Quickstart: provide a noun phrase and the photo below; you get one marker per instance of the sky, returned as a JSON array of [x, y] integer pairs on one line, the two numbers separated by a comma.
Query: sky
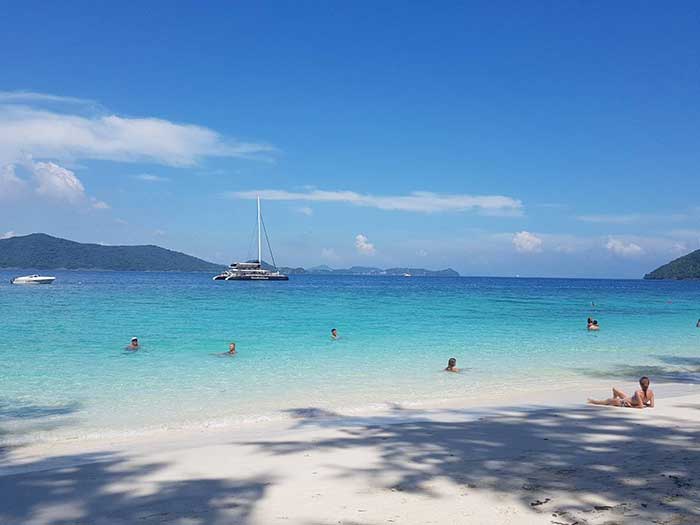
[[556, 139]]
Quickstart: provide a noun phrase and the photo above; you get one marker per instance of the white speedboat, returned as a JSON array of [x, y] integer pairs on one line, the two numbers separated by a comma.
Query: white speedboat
[[253, 270], [33, 279]]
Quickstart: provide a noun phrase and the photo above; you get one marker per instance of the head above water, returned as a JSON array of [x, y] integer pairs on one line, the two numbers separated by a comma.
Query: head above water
[[232, 347], [644, 382], [451, 362], [334, 331], [134, 340]]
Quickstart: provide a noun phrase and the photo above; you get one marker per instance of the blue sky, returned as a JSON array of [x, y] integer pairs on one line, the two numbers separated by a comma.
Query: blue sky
[[553, 139]]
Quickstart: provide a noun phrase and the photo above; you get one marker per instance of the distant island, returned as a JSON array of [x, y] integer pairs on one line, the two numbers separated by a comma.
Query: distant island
[[44, 252], [686, 267], [370, 270]]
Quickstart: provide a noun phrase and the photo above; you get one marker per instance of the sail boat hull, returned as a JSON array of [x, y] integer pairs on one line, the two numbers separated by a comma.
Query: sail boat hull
[[224, 277]]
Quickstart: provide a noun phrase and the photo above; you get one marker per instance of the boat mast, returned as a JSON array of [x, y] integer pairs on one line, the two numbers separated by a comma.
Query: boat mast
[[259, 244]]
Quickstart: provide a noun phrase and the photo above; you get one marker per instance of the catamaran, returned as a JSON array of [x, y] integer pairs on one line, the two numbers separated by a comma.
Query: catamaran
[[253, 271]]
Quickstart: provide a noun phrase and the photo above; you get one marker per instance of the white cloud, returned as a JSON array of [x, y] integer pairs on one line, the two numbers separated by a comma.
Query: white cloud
[[526, 242], [98, 204], [56, 182], [148, 177], [81, 129], [422, 252], [30, 97], [7, 235], [10, 184], [622, 248], [306, 210], [417, 201], [26, 130], [49, 181], [363, 245]]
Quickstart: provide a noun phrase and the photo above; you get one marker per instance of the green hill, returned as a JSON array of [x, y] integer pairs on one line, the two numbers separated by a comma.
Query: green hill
[[686, 267], [44, 252]]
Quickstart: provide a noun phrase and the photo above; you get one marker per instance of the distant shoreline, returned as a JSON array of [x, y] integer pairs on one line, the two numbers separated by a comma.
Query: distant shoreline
[[30, 269]]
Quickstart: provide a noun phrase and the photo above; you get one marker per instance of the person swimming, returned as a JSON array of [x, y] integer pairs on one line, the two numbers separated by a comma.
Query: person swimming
[[134, 344], [697, 325], [451, 365], [593, 324], [231, 349], [642, 398], [334, 333]]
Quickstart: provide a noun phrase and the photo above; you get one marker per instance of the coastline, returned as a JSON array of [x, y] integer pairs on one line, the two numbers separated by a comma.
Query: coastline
[[543, 461]]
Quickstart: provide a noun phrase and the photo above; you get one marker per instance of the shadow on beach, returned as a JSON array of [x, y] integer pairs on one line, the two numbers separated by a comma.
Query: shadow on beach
[[581, 465], [585, 465], [674, 369], [100, 489], [31, 418], [97, 488]]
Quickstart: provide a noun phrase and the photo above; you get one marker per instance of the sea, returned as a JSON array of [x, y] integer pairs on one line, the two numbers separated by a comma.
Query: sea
[[65, 373]]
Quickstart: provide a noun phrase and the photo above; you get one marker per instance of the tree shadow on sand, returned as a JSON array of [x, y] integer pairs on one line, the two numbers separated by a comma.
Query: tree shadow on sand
[[674, 369], [99, 489], [581, 465], [20, 417]]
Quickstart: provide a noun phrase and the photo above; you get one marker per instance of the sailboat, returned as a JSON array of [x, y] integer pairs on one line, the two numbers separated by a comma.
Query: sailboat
[[253, 271]]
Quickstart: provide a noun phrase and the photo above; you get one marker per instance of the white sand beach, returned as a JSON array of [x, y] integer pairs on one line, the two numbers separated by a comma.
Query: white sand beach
[[560, 464]]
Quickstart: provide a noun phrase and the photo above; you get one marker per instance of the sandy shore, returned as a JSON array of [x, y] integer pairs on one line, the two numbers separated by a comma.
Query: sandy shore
[[538, 464]]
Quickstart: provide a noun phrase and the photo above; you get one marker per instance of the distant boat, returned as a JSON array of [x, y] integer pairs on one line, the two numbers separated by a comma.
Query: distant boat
[[407, 274], [33, 279], [253, 271]]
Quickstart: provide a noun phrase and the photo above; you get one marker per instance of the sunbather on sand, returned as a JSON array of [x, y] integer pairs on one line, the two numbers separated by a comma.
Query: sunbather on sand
[[642, 398]]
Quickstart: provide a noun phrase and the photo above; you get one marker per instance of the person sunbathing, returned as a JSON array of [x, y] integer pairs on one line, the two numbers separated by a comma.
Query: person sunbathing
[[642, 398]]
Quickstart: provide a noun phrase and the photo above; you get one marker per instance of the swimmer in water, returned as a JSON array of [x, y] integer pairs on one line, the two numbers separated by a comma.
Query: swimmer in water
[[697, 325], [594, 325], [452, 365], [231, 351], [134, 344], [334, 334], [642, 398]]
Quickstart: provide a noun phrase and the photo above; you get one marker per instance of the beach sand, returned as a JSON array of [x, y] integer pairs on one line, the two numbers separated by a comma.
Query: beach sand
[[551, 463]]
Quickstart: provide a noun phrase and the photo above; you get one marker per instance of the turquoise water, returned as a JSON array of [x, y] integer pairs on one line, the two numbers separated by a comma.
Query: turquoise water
[[65, 373]]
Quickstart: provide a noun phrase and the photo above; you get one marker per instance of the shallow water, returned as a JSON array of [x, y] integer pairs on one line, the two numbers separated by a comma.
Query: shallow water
[[64, 372]]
